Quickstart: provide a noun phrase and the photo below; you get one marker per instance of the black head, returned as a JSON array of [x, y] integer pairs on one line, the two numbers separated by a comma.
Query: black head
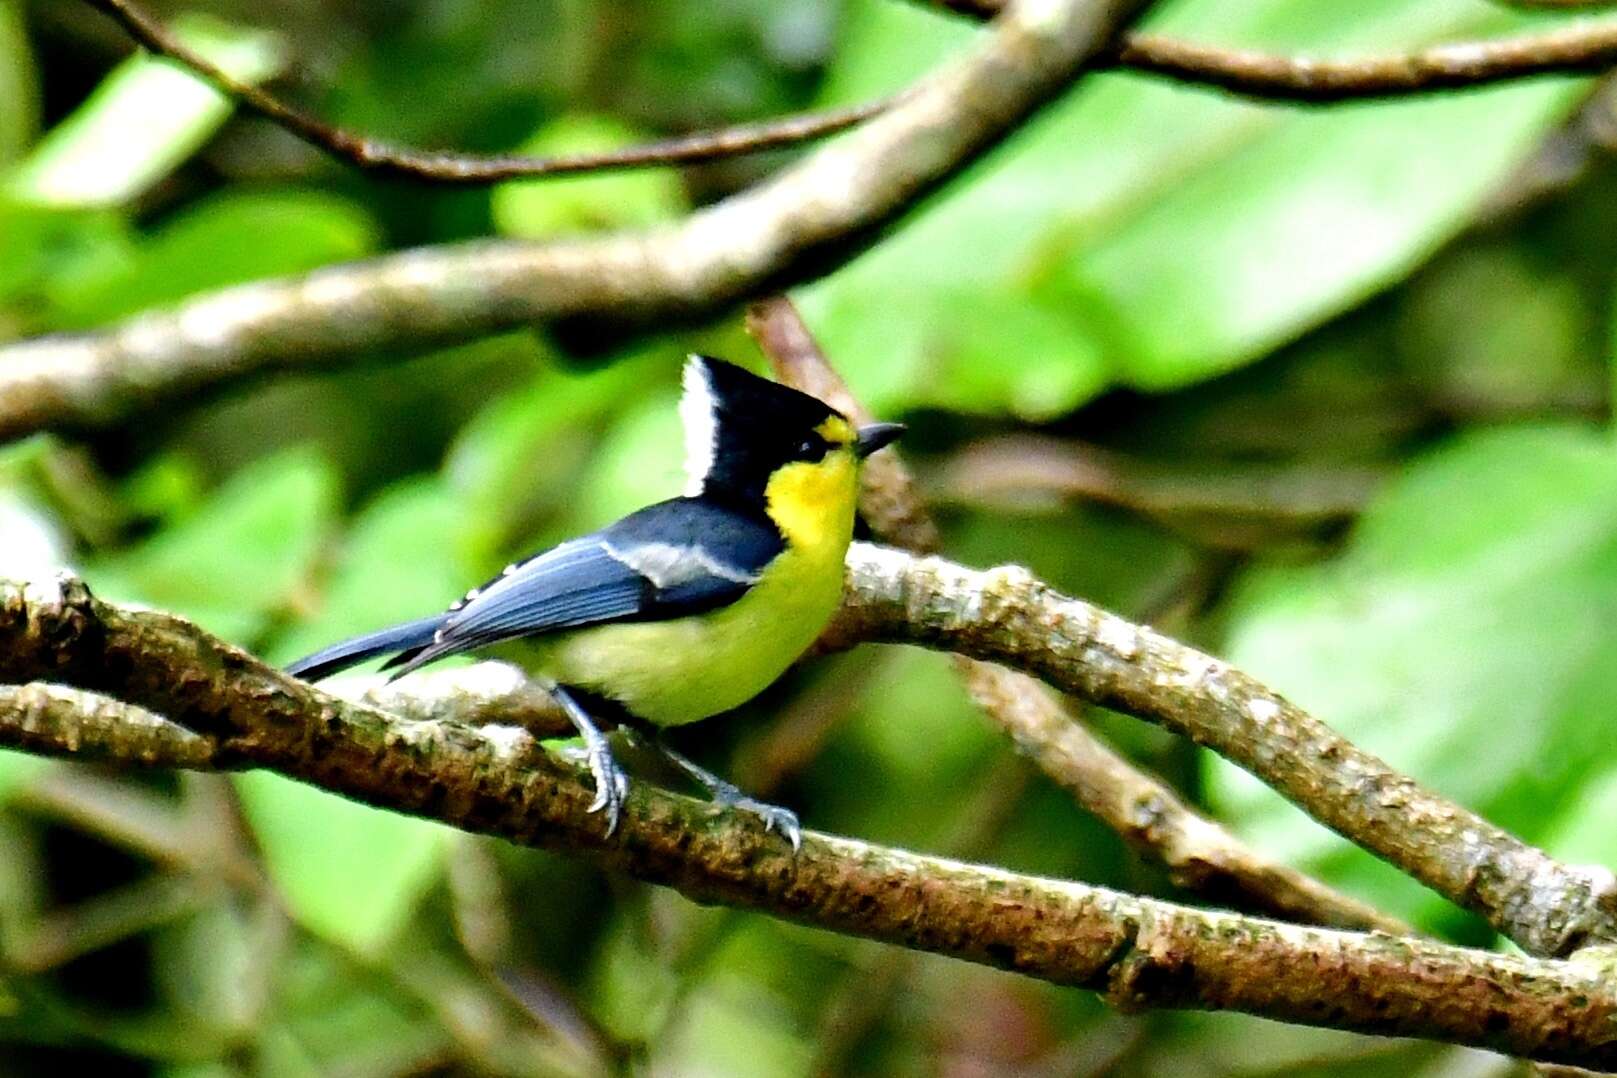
[[739, 428]]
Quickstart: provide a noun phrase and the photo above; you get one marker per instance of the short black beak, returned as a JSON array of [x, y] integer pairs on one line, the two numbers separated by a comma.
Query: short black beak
[[876, 435]]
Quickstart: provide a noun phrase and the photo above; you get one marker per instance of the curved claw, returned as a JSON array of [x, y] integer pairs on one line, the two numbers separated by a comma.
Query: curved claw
[[774, 817], [611, 783]]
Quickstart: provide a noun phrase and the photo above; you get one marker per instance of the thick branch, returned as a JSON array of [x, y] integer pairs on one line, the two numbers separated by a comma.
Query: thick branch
[[1005, 615], [1139, 952], [1199, 853], [809, 217]]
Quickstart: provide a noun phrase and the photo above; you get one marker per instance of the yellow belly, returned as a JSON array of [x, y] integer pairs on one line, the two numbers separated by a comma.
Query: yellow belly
[[685, 669]]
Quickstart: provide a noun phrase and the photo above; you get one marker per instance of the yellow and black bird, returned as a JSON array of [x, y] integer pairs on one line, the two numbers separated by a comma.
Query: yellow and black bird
[[684, 609]]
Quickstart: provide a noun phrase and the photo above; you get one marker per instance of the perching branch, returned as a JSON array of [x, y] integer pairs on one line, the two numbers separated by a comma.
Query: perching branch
[[809, 217], [494, 779], [1250, 73], [1001, 615], [1199, 853]]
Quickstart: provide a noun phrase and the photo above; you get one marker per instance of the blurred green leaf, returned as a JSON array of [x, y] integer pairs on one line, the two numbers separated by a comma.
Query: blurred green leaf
[[1466, 636], [1494, 331], [518, 460], [349, 872], [43, 249], [240, 557], [554, 205], [19, 94], [398, 562], [348, 1016], [143, 120], [1160, 235], [224, 239]]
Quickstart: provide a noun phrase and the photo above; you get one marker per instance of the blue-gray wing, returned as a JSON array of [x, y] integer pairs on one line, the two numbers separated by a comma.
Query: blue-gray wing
[[669, 560]]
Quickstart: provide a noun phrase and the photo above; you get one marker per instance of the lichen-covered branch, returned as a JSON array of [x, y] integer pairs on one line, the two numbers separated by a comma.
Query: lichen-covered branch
[[807, 218], [1005, 615], [495, 779], [1199, 853]]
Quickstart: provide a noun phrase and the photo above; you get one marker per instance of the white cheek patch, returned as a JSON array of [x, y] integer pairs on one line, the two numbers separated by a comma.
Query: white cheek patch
[[698, 413], [667, 565]]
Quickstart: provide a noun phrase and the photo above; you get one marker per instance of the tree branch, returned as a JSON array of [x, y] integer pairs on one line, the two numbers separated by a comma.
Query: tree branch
[[1249, 73], [1000, 615], [809, 217], [1138, 952], [1200, 854], [1004, 615], [438, 166]]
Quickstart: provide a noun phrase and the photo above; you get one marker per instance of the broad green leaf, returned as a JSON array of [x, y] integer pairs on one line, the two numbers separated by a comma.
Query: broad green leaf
[[560, 204], [397, 562], [240, 557], [142, 121], [1467, 636], [19, 96], [225, 239], [349, 872], [1155, 235]]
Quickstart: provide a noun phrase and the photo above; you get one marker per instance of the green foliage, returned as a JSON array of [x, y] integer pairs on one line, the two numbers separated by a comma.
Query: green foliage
[[1465, 635], [238, 560], [146, 118], [224, 239], [19, 109], [348, 872], [1143, 235], [585, 203]]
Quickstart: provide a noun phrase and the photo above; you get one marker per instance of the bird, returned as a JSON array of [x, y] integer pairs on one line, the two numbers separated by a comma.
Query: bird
[[684, 609]]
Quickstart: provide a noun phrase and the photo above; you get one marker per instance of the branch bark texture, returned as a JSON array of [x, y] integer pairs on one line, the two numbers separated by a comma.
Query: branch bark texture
[[1005, 615], [497, 780]]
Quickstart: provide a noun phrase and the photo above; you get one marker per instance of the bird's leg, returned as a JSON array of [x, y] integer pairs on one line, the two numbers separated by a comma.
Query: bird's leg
[[611, 782], [730, 796]]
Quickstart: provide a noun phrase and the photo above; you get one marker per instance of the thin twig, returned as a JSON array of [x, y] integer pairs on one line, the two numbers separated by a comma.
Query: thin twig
[[1250, 73], [459, 168], [1200, 854], [1140, 953]]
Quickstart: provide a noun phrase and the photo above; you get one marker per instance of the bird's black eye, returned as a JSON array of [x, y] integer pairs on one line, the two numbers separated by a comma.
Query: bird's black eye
[[812, 448]]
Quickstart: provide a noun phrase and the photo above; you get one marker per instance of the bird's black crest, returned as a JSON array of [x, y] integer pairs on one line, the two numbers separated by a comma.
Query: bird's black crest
[[740, 427]]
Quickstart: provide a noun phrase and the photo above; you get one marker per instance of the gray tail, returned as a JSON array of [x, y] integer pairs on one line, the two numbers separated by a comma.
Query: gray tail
[[340, 656]]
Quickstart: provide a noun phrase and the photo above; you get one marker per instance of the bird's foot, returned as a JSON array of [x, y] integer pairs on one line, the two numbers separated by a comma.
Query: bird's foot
[[775, 817], [727, 795], [611, 781]]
